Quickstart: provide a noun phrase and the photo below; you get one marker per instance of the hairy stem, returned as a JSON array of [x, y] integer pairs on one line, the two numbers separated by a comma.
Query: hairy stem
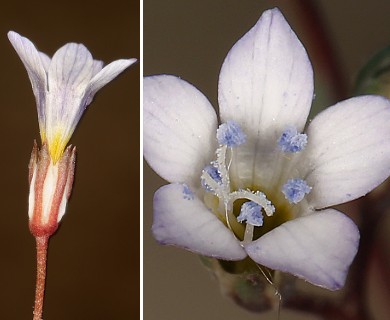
[[42, 244]]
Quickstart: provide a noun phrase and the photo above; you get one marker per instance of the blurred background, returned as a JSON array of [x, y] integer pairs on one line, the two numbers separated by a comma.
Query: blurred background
[[190, 39], [93, 263]]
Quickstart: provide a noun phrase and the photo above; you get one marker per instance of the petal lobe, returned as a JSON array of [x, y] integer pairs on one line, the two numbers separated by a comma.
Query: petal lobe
[[183, 220], [318, 247]]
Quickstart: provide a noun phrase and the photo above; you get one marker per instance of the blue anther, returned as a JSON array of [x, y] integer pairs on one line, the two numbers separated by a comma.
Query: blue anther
[[187, 193], [230, 134], [251, 212], [292, 141], [214, 174], [295, 190]]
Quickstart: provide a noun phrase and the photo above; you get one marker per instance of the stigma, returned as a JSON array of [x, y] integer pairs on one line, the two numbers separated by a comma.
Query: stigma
[[215, 179]]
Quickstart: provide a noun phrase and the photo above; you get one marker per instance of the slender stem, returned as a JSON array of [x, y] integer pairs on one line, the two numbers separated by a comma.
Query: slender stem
[[42, 244]]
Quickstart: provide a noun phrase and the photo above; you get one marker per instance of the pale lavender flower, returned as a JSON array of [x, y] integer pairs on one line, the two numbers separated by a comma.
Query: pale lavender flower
[[267, 157], [63, 86]]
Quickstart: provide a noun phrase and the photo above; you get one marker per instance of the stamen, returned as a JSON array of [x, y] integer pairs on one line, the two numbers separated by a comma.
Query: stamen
[[187, 193], [221, 164], [208, 183], [292, 141], [211, 178], [215, 179], [251, 212], [230, 134], [295, 189], [257, 197]]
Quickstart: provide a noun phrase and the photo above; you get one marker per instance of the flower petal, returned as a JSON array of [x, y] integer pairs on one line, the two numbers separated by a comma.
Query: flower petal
[[266, 81], [46, 60], [182, 220], [108, 73], [71, 68], [34, 62], [318, 247], [179, 129], [70, 72], [97, 67], [348, 150]]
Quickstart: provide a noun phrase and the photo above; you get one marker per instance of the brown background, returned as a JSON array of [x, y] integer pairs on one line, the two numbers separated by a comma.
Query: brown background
[[93, 270], [190, 39]]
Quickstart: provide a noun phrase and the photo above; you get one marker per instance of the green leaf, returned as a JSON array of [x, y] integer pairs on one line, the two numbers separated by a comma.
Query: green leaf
[[374, 77]]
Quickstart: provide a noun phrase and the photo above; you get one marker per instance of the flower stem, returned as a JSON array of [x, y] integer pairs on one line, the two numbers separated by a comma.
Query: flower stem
[[42, 244]]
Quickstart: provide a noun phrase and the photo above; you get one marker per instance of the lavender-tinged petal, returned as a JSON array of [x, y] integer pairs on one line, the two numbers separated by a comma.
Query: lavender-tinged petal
[[179, 129], [182, 220], [30, 57], [68, 78], [46, 60], [69, 75], [71, 68], [318, 247], [108, 73], [266, 81], [348, 150], [34, 63], [97, 67]]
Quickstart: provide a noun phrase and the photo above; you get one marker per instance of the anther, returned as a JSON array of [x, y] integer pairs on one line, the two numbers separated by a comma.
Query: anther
[[230, 134], [251, 213], [292, 141], [187, 193], [295, 190]]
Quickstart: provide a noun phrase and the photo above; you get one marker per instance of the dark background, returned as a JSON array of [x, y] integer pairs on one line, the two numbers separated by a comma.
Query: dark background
[[93, 270], [190, 39]]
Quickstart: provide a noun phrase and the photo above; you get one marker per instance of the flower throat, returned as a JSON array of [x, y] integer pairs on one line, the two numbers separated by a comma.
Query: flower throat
[[250, 206]]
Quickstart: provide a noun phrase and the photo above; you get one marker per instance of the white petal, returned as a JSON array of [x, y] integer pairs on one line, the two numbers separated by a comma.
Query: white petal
[[266, 81], [29, 56], [108, 73], [34, 63], [348, 150], [179, 129], [69, 75], [46, 60], [318, 247], [97, 66], [182, 220], [71, 68]]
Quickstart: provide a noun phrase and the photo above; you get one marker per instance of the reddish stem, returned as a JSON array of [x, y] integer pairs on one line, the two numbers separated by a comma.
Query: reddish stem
[[42, 244]]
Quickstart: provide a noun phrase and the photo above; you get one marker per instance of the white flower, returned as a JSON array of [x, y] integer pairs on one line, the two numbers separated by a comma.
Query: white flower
[[258, 166], [63, 86]]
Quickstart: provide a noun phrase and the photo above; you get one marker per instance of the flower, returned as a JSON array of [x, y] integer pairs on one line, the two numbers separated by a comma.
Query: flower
[[63, 87], [259, 185]]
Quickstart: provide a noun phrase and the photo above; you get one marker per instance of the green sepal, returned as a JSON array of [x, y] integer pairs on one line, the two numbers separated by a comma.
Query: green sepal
[[244, 283]]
